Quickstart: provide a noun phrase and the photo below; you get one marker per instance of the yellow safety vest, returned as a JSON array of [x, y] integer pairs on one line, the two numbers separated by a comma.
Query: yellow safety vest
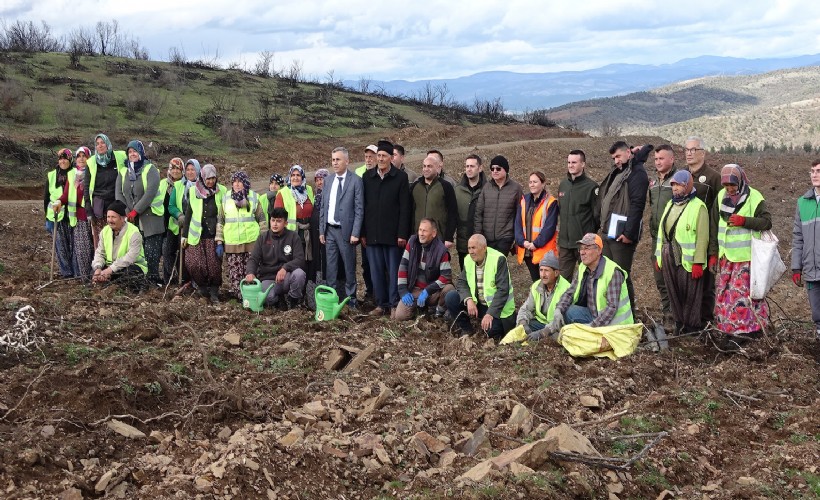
[[735, 243], [490, 268], [289, 202], [623, 314], [561, 286], [107, 235], [195, 225], [179, 192], [240, 226], [685, 232], [54, 193], [73, 203], [157, 206]]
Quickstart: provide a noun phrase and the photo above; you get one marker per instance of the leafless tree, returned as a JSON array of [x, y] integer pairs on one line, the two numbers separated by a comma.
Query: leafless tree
[[441, 94], [609, 128], [107, 37], [364, 84], [294, 73], [176, 56], [22, 36], [80, 42], [264, 64]]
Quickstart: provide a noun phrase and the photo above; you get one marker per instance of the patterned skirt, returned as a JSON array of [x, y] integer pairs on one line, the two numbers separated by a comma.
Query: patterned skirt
[[237, 262], [735, 311], [202, 263], [83, 250]]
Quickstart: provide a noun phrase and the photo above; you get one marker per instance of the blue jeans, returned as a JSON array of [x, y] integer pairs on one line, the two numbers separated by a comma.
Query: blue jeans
[[384, 272], [578, 314], [536, 325]]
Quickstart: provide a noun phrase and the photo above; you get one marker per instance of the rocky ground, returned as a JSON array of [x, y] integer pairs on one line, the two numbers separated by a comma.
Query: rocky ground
[[166, 396]]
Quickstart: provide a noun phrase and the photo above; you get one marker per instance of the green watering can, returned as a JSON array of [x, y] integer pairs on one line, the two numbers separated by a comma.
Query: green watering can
[[327, 303], [253, 297]]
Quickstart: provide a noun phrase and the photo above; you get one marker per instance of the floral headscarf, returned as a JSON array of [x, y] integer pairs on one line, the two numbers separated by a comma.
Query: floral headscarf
[[80, 171], [175, 162], [241, 198], [731, 203], [299, 192], [62, 175], [203, 191]]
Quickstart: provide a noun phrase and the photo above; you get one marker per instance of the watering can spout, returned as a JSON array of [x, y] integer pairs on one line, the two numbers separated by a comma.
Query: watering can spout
[[327, 303], [253, 297]]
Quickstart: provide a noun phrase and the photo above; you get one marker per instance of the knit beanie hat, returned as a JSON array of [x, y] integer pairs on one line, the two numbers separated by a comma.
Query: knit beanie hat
[[501, 162]]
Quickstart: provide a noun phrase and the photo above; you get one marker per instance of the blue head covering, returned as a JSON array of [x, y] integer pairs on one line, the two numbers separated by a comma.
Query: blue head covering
[[134, 167]]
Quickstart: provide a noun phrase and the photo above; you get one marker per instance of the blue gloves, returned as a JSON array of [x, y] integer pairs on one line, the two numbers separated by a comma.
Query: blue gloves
[[220, 250], [49, 226], [422, 300], [407, 299]]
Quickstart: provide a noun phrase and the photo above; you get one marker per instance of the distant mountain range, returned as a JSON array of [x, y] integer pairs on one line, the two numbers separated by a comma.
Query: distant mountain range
[[522, 91]]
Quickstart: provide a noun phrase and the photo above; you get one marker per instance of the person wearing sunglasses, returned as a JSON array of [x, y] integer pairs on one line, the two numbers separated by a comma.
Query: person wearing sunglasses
[[496, 207]]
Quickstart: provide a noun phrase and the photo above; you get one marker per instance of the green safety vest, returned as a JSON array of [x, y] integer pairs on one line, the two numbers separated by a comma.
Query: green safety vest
[[289, 202], [240, 226], [265, 202], [561, 286], [120, 157], [490, 268], [107, 235], [72, 198], [157, 204], [54, 193], [173, 225], [685, 232], [623, 315], [361, 170], [195, 225], [735, 243]]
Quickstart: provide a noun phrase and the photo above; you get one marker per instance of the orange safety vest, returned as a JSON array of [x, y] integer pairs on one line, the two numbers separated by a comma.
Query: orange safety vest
[[538, 217]]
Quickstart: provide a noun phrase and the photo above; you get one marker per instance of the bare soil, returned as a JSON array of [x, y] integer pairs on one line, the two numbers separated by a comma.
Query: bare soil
[[235, 404]]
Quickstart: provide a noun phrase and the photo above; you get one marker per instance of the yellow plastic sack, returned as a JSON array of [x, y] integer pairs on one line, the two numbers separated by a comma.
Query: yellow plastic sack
[[612, 342], [517, 334]]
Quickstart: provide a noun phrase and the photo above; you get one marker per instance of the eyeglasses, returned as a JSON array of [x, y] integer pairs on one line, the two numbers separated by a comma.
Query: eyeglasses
[[692, 150], [814, 171], [496, 169]]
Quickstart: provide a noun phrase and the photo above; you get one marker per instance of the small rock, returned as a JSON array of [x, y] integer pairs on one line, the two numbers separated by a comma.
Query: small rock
[[663, 495], [615, 488], [340, 388], [377, 402], [47, 431], [290, 346], [711, 486], [250, 464], [436, 378], [517, 469], [333, 451], [426, 444], [315, 408], [125, 429], [589, 401], [693, 429], [217, 470], [746, 481], [102, 484], [233, 339], [157, 436], [225, 433], [520, 420], [294, 436], [72, 494], [202, 484], [471, 445], [30, 457], [571, 441]]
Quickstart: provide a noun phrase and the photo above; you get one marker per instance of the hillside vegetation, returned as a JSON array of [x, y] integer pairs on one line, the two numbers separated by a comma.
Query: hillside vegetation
[[773, 109]]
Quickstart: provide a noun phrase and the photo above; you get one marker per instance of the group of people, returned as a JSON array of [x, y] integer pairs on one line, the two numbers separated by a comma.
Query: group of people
[[701, 224]]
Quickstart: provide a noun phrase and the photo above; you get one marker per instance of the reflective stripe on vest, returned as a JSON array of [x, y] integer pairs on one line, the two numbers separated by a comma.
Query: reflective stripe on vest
[[195, 225], [157, 204], [490, 269], [538, 216], [107, 236], [561, 286], [54, 193], [119, 161], [685, 233], [179, 192], [623, 313], [72, 198], [240, 226], [289, 202], [735, 243]]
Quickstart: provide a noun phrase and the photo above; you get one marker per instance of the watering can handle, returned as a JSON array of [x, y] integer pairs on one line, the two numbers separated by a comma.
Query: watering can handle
[[255, 282], [324, 288]]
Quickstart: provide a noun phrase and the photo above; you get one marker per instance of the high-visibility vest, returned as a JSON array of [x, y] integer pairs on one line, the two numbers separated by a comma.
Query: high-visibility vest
[[157, 204], [361, 170], [490, 268], [538, 216], [73, 203], [179, 192], [289, 202], [195, 225], [561, 286], [107, 235], [623, 313], [240, 225], [685, 232], [735, 243], [54, 193], [119, 159]]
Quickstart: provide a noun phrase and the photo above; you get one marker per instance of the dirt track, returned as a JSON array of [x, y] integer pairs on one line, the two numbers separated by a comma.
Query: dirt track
[[265, 417]]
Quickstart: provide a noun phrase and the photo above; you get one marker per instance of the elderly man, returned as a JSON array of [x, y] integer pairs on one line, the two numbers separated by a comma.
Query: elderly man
[[622, 198], [119, 256], [496, 207], [707, 186], [434, 198], [340, 223], [597, 295], [484, 289], [660, 192], [806, 244], [578, 205], [424, 272], [538, 314], [277, 259], [467, 193]]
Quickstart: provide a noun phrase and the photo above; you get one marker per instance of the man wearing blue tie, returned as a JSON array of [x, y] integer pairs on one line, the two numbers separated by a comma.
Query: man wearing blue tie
[[340, 222]]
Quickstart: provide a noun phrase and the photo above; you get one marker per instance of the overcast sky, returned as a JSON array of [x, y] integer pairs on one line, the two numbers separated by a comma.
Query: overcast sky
[[445, 39]]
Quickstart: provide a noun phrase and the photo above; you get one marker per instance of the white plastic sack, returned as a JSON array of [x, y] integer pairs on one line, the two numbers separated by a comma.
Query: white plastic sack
[[767, 266]]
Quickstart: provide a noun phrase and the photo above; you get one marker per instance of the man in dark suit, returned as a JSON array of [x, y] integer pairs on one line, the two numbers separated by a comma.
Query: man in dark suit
[[340, 222]]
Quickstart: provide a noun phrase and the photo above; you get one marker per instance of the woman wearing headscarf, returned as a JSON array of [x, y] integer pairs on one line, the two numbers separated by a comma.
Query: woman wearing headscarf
[[683, 242], [171, 189], [238, 227], [536, 224], [276, 183], [318, 250], [178, 200], [101, 180], [56, 217], [298, 200], [74, 200], [740, 211], [203, 258], [138, 188]]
